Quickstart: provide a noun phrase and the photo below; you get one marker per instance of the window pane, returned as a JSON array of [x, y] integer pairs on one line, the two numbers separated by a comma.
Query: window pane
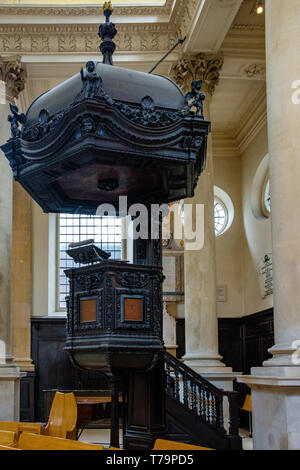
[[106, 231], [220, 217]]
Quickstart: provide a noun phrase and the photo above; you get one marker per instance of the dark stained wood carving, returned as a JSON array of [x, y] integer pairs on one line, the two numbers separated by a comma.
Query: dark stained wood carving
[[109, 132]]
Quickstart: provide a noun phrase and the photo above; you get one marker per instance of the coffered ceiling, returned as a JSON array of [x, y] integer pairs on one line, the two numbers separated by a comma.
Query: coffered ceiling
[[54, 39]]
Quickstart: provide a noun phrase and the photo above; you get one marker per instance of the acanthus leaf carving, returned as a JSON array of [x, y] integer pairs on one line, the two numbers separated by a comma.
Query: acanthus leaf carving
[[198, 67], [13, 75]]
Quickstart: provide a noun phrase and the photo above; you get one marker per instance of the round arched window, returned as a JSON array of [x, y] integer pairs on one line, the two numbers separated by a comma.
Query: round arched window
[[223, 208], [221, 217]]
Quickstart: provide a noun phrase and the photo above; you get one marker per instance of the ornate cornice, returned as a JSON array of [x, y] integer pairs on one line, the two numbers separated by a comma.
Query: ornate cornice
[[68, 38], [242, 42], [224, 145], [13, 75], [78, 11], [253, 121], [248, 27], [195, 67], [183, 15]]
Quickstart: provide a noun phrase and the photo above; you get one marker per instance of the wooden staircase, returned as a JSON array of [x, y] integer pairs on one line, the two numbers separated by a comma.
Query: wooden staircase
[[197, 412]]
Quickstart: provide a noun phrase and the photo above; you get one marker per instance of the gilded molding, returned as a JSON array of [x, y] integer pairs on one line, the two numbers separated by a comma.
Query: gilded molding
[[13, 75], [195, 67], [78, 11]]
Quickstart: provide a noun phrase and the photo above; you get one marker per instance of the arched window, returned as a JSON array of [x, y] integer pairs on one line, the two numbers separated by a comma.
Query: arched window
[[224, 211], [106, 232], [221, 217]]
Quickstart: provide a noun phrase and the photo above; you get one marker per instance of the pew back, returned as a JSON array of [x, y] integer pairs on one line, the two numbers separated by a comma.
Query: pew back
[[9, 426], [63, 416], [40, 442], [161, 444], [8, 448], [7, 438]]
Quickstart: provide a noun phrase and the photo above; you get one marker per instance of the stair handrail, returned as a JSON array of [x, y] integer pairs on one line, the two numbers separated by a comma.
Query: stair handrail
[[197, 377], [212, 414]]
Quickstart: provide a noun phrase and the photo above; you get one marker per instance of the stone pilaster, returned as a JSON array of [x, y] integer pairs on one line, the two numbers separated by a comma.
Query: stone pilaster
[[11, 83], [276, 385], [21, 280], [200, 265]]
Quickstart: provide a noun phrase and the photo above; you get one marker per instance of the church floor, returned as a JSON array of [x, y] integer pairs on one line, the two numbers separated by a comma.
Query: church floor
[[101, 436], [97, 436]]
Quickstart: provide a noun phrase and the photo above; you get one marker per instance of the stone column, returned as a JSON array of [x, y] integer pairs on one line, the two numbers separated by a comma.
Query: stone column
[[276, 385], [201, 321], [169, 330], [11, 83]]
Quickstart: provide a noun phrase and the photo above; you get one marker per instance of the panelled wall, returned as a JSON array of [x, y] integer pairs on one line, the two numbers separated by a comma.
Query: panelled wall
[[243, 343]]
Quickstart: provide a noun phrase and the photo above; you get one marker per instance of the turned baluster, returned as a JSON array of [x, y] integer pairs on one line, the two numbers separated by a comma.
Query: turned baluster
[[177, 394], [185, 391], [194, 398], [169, 380]]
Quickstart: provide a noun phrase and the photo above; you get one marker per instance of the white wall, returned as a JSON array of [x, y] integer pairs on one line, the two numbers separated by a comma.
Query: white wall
[[229, 245], [257, 231], [43, 262]]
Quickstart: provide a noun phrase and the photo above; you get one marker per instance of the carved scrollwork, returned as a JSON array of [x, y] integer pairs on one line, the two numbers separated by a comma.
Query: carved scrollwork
[[149, 115], [45, 125], [132, 279], [88, 282], [192, 142]]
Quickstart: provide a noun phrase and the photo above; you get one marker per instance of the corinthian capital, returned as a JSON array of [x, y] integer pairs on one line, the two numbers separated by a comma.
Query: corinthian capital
[[13, 75], [198, 67]]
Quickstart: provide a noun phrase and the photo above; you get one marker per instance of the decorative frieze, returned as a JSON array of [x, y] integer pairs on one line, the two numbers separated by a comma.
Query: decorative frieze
[[198, 67], [49, 38]]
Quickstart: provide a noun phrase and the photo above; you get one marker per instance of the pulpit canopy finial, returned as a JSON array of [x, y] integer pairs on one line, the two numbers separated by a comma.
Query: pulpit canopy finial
[[107, 32], [107, 10]]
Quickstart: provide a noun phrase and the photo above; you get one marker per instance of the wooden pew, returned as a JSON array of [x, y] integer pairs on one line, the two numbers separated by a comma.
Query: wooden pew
[[63, 417], [61, 423], [34, 428], [8, 448], [40, 442], [7, 438], [161, 444]]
